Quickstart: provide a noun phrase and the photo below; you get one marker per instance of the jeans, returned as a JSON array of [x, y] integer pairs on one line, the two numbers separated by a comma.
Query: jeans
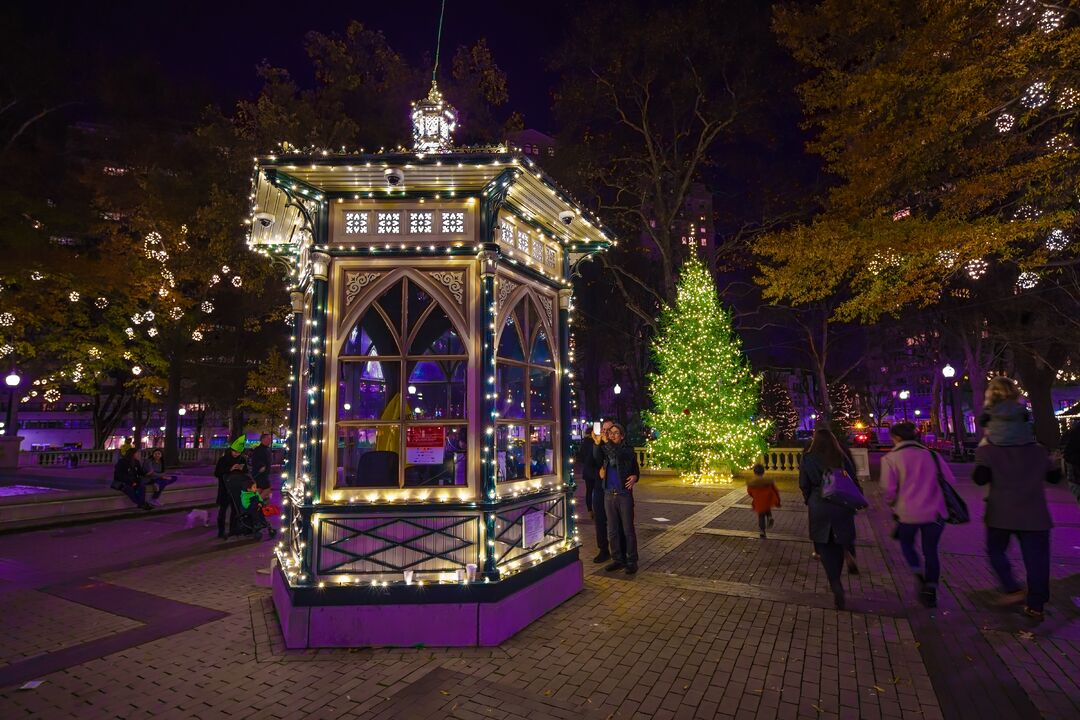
[[222, 509], [832, 560], [162, 482], [930, 534], [1035, 549], [590, 486], [136, 492], [620, 517]]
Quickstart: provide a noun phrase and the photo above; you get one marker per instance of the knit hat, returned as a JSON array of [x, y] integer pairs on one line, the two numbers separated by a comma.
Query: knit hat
[[239, 443]]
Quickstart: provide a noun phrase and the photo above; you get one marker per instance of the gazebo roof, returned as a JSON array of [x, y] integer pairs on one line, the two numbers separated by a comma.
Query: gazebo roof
[[468, 172]]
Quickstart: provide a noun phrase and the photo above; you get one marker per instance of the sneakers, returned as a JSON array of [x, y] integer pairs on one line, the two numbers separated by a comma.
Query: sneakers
[[761, 534], [612, 567], [852, 568], [838, 599], [928, 597], [146, 506], [631, 568], [1034, 614], [603, 556]]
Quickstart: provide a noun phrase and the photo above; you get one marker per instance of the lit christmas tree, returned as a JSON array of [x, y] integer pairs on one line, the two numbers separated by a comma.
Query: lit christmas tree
[[777, 408], [705, 395]]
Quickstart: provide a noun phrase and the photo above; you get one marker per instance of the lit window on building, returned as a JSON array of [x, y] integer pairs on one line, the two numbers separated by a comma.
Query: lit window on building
[[355, 222], [523, 241], [506, 234], [421, 222], [389, 223], [453, 221]]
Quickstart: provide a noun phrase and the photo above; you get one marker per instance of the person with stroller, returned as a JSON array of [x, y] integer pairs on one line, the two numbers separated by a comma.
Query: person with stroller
[[231, 463]]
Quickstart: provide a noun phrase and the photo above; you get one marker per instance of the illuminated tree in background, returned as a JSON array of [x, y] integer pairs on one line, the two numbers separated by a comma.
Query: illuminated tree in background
[[777, 408], [705, 395]]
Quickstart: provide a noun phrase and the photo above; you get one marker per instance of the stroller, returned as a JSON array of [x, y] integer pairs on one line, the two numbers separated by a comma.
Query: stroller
[[250, 522]]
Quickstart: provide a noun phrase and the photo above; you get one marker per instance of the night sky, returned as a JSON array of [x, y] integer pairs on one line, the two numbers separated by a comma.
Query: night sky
[[211, 48]]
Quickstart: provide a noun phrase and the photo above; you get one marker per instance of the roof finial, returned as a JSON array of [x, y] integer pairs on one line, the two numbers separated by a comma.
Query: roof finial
[[434, 120]]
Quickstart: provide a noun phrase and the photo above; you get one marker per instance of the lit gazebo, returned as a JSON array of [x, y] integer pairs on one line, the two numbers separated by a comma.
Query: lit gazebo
[[428, 487]]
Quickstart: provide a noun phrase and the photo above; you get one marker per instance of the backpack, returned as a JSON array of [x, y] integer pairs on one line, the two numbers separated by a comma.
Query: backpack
[[955, 507], [838, 488]]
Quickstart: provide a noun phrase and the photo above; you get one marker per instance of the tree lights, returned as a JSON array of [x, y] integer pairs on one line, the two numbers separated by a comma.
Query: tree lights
[[706, 397]]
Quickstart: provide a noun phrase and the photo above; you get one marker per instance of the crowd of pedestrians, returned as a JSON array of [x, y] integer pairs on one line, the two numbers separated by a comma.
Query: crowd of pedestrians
[[916, 485]]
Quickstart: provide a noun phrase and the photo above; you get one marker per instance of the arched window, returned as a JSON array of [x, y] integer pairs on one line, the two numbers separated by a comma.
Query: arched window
[[401, 394], [525, 381]]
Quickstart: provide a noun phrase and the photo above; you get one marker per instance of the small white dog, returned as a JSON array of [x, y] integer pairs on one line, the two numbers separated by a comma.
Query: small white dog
[[195, 516]]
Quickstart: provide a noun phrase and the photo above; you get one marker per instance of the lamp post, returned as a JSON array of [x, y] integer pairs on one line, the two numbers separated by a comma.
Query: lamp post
[[904, 395], [949, 372], [12, 381], [618, 401], [180, 427]]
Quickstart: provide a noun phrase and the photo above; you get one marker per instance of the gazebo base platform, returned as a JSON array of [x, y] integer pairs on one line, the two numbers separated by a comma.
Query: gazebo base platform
[[451, 615]]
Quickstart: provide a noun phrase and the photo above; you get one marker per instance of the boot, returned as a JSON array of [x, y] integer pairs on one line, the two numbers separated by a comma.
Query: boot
[[602, 556]]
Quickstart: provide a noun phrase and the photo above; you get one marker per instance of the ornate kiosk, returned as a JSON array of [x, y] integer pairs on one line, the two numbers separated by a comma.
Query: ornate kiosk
[[428, 489]]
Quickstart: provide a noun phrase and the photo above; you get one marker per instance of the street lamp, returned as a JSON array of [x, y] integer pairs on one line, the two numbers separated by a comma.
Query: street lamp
[[904, 395], [617, 389], [12, 381], [618, 405], [949, 372]]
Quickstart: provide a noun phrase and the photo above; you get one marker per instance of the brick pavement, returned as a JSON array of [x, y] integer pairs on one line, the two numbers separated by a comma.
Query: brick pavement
[[718, 624]]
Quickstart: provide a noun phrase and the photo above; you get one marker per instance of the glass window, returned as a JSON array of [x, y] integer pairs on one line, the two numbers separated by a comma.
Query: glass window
[[510, 345], [510, 381], [432, 464], [385, 399], [367, 456], [510, 452], [541, 393], [370, 336], [436, 390], [369, 390], [527, 390], [437, 336], [542, 450]]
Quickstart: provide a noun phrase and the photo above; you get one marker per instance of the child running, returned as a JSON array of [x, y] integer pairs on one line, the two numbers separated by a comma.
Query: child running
[[765, 497]]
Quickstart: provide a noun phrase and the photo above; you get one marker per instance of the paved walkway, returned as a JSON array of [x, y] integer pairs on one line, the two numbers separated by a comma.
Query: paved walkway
[[144, 618]]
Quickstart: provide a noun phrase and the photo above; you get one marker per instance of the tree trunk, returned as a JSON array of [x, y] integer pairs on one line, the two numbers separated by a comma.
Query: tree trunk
[[172, 406], [935, 404], [1038, 379], [976, 377], [200, 420]]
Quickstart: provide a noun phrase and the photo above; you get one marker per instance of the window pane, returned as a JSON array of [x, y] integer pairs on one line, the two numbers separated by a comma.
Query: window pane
[[390, 302], [436, 390], [510, 342], [541, 350], [510, 452], [510, 382], [369, 390], [542, 394], [543, 451], [426, 464], [437, 336], [368, 456], [370, 336], [419, 301]]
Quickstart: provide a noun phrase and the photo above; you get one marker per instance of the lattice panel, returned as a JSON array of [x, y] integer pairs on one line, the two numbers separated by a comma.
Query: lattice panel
[[508, 528], [379, 545]]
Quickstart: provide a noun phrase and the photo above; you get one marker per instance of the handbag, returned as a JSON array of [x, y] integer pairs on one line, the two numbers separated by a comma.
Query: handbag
[[838, 488], [955, 507]]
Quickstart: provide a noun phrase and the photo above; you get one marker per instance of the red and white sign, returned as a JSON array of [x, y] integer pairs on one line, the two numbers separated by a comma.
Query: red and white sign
[[424, 444]]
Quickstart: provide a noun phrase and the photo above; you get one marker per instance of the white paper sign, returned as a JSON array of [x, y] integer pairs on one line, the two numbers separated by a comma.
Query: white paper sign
[[532, 528], [861, 456]]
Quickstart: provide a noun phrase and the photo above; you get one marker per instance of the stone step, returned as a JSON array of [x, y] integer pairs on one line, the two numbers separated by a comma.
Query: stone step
[[64, 507]]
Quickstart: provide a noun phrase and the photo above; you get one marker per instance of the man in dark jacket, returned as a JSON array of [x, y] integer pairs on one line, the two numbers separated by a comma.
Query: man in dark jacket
[[261, 459], [232, 462], [620, 475], [1016, 505], [594, 494]]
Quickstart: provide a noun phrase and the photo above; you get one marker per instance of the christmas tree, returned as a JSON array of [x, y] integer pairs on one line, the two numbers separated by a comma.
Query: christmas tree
[[705, 395], [777, 408]]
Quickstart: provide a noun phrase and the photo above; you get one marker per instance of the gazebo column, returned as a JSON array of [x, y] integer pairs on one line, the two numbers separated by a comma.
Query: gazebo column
[[289, 466], [485, 375], [566, 411]]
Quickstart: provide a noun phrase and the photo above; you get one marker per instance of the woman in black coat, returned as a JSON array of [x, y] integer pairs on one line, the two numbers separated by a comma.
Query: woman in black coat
[[832, 526]]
